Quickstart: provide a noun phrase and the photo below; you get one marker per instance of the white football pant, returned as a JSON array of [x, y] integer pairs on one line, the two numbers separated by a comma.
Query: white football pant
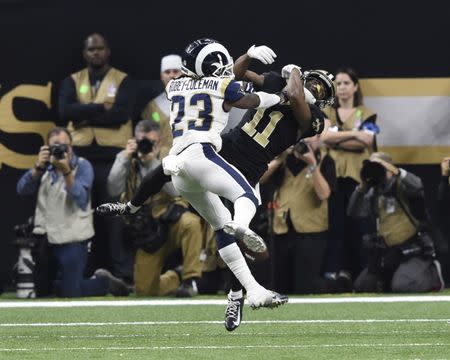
[[203, 175]]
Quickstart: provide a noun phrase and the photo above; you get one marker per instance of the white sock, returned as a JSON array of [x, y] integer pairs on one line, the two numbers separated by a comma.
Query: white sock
[[235, 295], [234, 259], [244, 210]]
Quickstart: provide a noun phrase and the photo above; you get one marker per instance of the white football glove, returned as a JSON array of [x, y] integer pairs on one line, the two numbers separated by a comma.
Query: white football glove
[[262, 53], [287, 69]]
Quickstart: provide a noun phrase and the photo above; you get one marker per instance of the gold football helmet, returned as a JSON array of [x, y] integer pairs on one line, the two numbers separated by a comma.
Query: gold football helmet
[[320, 84]]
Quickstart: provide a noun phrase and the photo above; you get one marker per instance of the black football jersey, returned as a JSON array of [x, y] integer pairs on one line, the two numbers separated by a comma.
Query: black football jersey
[[262, 135]]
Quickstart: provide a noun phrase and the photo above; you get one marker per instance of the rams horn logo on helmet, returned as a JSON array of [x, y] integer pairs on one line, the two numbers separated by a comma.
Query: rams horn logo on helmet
[[207, 57], [220, 63]]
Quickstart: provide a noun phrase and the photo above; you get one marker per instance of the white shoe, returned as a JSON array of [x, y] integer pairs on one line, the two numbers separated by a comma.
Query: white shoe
[[115, 209], [251, 240], [266, 298]]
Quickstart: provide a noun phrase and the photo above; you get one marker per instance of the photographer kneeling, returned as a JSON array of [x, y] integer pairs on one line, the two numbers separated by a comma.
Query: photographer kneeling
[[164, 224], [305, 177], [63, 215], [401, 254]]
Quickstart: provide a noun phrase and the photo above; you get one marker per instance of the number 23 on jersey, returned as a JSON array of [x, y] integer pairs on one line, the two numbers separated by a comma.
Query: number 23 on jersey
[[197, 113]]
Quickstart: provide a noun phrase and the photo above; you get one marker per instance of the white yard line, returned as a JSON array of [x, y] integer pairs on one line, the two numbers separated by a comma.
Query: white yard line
[[176, 302], [225, 347], [233, 334], [199, 322]]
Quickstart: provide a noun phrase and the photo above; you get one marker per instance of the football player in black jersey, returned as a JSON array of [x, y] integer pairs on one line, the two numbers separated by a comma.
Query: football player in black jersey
[[264, 134], [260, 136]]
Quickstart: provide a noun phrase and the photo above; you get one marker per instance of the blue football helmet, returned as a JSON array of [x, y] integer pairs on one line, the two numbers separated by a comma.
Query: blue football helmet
[[206, 57]]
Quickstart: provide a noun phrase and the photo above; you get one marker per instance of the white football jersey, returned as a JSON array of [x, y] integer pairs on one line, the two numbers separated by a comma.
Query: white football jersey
[[196, 114]]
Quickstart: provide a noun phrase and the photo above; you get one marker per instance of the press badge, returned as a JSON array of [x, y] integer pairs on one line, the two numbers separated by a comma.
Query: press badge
[[203, 255], [111, 92], [389, 205]]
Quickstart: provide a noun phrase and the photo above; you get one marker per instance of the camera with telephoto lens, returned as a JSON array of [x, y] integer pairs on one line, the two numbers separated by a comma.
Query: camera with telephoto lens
[[24, 234], [301, 147], [143, 231], [58, 150], [25, 240], [373, 173], [145, 146]]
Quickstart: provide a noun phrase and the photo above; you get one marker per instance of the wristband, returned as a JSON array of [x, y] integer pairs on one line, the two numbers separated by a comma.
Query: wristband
[[67, 173]]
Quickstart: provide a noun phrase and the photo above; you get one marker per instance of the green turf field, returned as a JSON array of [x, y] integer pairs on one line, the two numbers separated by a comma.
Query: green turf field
[[374, 330]]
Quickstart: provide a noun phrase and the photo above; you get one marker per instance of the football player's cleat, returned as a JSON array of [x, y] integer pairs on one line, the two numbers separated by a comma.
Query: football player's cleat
[[114, 209], [233, 313], [251, 240], [206, 57], [277, 300], [266, 298]]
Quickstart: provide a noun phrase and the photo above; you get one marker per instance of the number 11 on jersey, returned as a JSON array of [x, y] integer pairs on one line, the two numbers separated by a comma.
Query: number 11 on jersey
[[262, 138]]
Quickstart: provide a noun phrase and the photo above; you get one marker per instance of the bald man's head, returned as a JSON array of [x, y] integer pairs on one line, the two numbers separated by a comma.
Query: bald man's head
[[96, 51]]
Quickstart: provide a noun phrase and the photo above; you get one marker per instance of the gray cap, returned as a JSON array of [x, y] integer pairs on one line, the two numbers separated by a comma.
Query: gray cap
[[170, 62]]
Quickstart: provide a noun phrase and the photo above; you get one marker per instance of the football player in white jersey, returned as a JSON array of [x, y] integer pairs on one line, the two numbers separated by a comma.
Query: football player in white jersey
[[201, 100]]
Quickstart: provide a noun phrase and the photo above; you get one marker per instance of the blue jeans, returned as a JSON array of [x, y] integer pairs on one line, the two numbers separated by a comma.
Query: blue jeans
[[71, 259]]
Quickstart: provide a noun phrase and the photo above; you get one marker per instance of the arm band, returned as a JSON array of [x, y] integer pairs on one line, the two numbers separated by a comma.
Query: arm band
[[267, 100]]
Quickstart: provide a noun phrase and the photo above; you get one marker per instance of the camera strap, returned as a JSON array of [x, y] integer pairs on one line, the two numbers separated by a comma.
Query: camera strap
[[398, 196]]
